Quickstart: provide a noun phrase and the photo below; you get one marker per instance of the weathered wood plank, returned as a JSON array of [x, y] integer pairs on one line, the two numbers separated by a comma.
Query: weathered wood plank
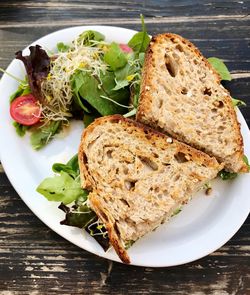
[[82, 9], [34, 259]]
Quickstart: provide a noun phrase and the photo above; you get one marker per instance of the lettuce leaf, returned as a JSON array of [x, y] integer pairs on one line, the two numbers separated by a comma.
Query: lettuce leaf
[[92, 90], [245, 159], [22, 89], [65, 188], [220, 67], [40, 136], [139, 42], [71, 167], [115, 57], [61, 47], [89, 37], [61, 188], [238, 103], [20, 129]]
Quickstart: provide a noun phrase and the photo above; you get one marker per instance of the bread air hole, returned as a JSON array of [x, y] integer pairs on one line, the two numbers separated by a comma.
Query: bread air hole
[[175, 56], [221, 104], [125, 202], [180, 157], [177, 177], [109, 154], [150, 165], [207, 91], [167, 90], [125, 170], [160, 103], [184, 91], [170, 65], [129, 184], [179, 47], [195, 61]]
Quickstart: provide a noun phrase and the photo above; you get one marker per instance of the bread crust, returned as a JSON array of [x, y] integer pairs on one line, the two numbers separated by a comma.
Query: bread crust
[[110, 227], [145, 103]]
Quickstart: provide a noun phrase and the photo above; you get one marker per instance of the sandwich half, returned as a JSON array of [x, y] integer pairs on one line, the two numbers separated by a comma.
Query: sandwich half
[[181, 95], [137, 177]]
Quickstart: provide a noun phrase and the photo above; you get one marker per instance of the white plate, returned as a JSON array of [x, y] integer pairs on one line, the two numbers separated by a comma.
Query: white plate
[[203, 226]]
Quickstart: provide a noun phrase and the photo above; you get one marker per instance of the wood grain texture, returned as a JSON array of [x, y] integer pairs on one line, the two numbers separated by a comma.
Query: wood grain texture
[[35, 260]]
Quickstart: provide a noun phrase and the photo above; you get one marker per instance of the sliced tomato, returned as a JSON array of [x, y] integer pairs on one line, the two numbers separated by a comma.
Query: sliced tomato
[[25, 110], [125, 48]]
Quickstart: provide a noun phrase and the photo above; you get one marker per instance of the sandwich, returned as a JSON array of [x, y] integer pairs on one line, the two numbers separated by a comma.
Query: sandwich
[[138, 177], [181, 96]]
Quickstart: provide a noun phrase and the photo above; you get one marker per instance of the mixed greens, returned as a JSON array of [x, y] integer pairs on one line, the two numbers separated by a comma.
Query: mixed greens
[[85, 79], [65, 187]]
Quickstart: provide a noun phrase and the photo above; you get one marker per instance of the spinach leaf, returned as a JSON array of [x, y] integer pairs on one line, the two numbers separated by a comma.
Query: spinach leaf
[[115, 57], [76, 84], [220, 67], [139, 42], [60, 188], [61, 47], [71, 167], [142, 58], [238, 103], [121, 77], [130, 74], [87, 38], [92, 90], [225, 175], [22, 89], [20, 129], [74, 164], [40, 136]]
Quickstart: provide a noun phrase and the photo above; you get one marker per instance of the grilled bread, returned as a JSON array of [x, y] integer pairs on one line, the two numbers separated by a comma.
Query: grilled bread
[[181, 95], [137, 177]]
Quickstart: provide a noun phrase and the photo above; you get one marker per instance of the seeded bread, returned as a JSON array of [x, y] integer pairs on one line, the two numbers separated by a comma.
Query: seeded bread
[[181, 95], [137, 176]]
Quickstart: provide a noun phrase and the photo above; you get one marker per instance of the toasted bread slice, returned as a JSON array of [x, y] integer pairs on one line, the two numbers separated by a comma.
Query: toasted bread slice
[[181, 95], [137, 176]]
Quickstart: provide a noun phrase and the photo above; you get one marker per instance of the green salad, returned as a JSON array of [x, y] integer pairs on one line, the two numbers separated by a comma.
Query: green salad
[[85, 79]]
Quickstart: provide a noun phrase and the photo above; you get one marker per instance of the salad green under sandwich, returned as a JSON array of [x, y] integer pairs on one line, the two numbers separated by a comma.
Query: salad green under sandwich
[[116, 188]]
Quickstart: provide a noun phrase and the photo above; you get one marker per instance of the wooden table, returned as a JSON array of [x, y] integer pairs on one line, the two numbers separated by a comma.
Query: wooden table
[[34, 259]]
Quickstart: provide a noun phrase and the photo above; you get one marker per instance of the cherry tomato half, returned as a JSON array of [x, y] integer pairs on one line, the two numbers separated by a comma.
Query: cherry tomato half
[[25, 110], [125, 48]]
